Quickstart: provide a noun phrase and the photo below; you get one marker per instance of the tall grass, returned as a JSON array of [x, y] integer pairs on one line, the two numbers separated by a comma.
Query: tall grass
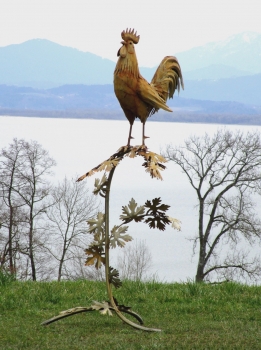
[[6, 277]]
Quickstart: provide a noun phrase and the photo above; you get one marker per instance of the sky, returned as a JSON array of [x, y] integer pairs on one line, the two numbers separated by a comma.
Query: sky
[[166, 27]]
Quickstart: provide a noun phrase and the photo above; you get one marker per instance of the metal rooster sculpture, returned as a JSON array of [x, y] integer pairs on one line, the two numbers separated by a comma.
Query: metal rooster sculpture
[[137, 97]]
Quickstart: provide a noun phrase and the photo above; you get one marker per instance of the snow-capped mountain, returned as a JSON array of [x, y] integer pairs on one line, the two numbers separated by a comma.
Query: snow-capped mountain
[[241, 52]]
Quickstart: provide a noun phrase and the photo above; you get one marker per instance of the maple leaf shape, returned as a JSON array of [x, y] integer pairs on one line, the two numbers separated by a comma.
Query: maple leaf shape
[[159, 222], [155, 207], [99, 185], [96, 256], [157, 211], [132, 212], [97, 225], [114, 277], [103, 307], [118, 237]]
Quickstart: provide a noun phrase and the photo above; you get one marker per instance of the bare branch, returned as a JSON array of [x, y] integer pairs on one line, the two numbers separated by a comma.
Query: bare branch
[[223, 170]]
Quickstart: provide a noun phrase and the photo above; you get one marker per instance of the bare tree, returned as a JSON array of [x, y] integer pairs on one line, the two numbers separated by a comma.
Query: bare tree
[[11, 160], [76, 269], [25, 167], [134, 261], [73, 205], [224, 171]]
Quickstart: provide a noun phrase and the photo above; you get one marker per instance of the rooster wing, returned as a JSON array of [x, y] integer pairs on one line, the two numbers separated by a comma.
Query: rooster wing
[[149, 95], [167, 78]]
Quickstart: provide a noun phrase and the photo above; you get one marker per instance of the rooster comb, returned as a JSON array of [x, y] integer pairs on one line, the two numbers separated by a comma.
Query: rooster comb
[[130, 35]]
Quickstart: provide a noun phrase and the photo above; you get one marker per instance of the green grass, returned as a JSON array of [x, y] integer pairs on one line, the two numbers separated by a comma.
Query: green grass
[[191, 316]]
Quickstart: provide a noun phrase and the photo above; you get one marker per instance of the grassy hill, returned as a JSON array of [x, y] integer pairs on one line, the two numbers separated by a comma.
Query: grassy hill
[[191, 316]]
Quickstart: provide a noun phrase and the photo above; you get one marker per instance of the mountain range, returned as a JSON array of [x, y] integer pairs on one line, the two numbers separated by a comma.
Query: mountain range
[[45, 64], [102, 98], [225, 71]]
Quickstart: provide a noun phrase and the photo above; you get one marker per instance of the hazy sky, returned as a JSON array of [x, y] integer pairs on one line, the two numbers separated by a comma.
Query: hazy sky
[[165, 26]]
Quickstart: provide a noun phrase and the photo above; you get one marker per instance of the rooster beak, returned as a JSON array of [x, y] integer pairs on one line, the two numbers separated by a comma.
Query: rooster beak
[[122, 51]]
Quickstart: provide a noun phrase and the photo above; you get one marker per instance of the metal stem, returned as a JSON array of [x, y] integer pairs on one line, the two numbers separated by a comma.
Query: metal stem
[[107, 260]]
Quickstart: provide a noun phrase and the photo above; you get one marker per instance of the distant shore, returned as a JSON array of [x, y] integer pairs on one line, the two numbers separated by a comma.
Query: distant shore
[[177, 116]]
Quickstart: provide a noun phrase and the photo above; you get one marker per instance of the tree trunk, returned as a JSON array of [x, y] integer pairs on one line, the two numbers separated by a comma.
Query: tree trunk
[[202, 248], [31, 256], [201, 264], [31, 250], [10, 242], [10, 229], [60, 269]]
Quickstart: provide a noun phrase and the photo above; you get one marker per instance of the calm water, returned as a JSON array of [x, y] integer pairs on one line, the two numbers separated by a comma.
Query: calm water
[[79, 145]]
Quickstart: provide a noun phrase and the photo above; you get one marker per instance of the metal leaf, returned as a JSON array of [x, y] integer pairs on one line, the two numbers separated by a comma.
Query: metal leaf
[[114, 277], [103, 307], [132, 212], [96, 256], [118, 238], [100, 185]]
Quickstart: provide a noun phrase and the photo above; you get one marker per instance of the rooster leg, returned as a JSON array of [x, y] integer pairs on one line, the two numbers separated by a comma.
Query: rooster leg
[[143, 136], [130, 137]]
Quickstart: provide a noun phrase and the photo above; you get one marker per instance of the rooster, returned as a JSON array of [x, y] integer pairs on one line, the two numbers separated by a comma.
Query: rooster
[[137, 97]]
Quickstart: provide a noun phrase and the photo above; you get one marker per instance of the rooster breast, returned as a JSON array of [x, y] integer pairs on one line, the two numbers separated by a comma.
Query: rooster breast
[[127, 90]]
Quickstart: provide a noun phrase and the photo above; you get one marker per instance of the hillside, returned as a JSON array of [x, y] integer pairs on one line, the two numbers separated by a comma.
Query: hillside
[[41, 63], [39, 75], [191, 316], [245, 89], [102, 97]]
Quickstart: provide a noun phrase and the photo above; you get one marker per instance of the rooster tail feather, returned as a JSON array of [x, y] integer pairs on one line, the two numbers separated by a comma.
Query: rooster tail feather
[[168, 78]]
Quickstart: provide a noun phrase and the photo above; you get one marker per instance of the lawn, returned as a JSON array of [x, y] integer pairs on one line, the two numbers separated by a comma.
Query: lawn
[[191, 316]]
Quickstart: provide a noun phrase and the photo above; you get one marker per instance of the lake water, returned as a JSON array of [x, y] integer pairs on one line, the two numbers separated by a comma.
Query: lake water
[[78, 145]]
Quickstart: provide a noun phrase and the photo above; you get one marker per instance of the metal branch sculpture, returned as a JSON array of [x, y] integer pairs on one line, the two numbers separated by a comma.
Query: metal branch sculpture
[[153, 213], [138, 99]]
